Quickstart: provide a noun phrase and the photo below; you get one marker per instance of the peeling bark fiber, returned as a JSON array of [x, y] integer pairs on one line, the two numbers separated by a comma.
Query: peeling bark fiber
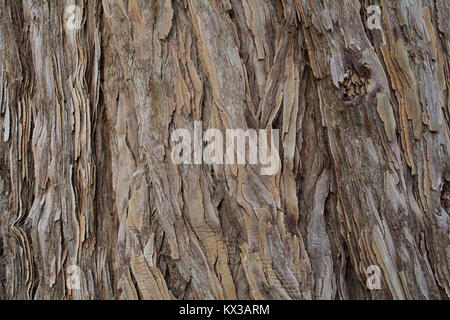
[[96, 98]]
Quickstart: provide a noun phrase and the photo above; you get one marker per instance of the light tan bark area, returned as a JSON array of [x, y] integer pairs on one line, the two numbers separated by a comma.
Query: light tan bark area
[[88, 188]]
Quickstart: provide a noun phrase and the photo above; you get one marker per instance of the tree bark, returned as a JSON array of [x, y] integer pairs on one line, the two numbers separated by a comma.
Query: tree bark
[[88, 188]]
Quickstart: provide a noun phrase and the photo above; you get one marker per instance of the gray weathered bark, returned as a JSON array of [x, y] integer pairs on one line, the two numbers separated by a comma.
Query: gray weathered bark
[[86, 177]]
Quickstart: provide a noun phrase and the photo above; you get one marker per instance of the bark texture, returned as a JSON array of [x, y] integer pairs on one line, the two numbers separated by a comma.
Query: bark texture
[[86, 177]]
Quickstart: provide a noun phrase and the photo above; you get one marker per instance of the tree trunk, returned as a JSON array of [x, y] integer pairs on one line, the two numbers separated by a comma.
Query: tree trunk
[[94, 207]]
